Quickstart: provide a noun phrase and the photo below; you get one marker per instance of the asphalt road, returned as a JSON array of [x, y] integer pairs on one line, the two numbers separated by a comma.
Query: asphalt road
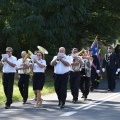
[[101, 105]]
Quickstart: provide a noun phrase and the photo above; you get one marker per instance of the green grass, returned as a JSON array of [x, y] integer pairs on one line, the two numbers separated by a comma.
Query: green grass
[[48, 88]]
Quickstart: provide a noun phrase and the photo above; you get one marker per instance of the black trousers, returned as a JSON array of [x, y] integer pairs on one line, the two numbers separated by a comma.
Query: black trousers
[[8, 81], [111, 76], [23, 86], [74, 84], [93, 77], [84, 85], [60, 84]]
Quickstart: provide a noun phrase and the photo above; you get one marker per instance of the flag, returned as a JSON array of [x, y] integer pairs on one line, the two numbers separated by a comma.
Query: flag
[[94, 46], [99, 55]]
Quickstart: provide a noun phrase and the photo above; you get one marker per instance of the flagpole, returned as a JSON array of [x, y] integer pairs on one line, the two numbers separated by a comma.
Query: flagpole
[[95, 40]]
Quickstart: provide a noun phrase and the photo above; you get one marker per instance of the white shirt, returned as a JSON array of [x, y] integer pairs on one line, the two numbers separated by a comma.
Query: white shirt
[[7, 68], [37, 68], [19, 64], [60, 68]]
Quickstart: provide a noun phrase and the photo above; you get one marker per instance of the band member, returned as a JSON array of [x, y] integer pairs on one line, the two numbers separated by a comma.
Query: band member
[[109, 64], [95, 69], [85, 74], [61, 71], [76, 62], [39, 67], [117, 51], [23, 67], [99, 75], [9, 70]]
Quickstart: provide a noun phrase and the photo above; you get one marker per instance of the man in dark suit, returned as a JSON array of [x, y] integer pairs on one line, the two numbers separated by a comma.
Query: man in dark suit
[[95, 69], [110, 63]]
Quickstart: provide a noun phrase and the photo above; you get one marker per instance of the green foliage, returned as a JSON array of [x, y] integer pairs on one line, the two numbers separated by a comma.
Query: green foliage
[[24, 24]]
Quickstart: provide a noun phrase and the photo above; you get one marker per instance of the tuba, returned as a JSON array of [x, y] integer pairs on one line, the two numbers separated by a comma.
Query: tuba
[[43, 50], [28, 70]]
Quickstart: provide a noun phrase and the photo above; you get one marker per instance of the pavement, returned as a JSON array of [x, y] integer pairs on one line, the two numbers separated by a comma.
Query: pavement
[[99, 101]]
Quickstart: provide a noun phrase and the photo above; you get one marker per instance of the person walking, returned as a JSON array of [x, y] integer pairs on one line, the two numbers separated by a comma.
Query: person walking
[[85, 74], [110, 64], [74, 80], [39, 67], [9, 69], [23, 67], [95, 69], [61, 71]]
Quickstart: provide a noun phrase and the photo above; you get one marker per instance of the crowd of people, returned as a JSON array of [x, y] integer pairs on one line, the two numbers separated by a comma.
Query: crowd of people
[[80, 69]]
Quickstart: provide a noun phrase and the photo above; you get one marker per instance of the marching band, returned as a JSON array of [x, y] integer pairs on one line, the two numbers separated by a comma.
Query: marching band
[[79, 68]]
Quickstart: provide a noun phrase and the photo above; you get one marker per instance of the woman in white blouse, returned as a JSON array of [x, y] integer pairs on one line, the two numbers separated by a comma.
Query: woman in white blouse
[[39, 67]]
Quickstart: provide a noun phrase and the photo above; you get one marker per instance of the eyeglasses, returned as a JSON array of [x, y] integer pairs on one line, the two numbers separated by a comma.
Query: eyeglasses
[[8, 51]]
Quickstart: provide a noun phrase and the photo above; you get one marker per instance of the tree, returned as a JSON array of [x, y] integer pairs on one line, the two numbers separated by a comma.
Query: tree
[[54, 23]]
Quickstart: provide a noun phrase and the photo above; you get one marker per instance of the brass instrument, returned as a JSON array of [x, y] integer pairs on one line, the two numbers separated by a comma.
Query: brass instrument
[[27, 70], [82, 51], [43, 50]]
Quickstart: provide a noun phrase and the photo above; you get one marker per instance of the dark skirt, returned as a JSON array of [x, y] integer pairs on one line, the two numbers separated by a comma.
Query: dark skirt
[[38, 81]]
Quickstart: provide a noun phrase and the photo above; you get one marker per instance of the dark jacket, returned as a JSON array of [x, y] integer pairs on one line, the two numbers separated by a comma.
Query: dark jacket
[[110, 61]]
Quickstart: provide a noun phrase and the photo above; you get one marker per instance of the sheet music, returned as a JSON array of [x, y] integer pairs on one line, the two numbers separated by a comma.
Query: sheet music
[[4, 56], [74, 55], [61, 54], [33, 57]]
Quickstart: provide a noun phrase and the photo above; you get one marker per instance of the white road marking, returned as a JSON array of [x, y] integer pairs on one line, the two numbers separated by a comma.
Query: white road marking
[[69, 113], [95, 104], [92, 104], [11, 111], [77, 108], [50, 109]]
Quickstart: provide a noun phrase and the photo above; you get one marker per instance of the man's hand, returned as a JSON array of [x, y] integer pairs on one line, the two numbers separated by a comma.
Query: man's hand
[[97, 71], [103, 69], [5, 59], [118, 70]]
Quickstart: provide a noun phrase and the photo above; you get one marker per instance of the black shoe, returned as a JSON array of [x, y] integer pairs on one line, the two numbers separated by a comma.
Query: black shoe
[[82, 96], [112, 90], [109, 90], [74, 101], [59, 103], [61, 106], [91, 89], [7, 107], [85, 99], [24, 101]]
